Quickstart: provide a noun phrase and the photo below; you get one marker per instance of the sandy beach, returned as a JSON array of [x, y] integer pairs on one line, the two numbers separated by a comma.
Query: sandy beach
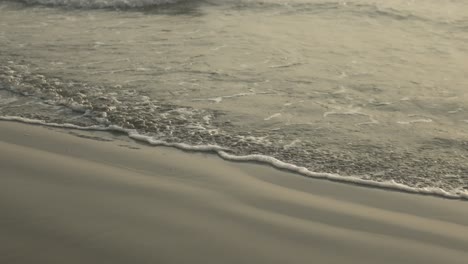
[[95, 198], [233, 131]]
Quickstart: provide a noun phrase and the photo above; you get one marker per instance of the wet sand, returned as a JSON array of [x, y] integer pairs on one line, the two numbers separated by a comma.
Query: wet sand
[[69, 199]]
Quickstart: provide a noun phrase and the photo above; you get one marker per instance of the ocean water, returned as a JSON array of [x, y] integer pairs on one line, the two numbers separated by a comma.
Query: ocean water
[[373, 92]]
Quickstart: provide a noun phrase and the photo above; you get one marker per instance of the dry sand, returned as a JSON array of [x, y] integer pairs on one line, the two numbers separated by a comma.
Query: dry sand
[[69, 199]]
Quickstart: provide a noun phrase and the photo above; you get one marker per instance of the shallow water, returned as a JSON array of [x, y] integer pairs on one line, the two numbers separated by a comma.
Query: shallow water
[[357, 88]]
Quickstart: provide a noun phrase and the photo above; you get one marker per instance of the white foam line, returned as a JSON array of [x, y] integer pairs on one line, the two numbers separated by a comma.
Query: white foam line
[[344, 113], [130, 132], [391, 185], [182, 146], [220, 98], [415, 121], [41, 122], [336, 177], [272, 116], [292, 144]]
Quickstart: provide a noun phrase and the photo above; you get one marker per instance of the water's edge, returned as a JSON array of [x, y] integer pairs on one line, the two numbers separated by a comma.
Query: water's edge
[[255, 158]]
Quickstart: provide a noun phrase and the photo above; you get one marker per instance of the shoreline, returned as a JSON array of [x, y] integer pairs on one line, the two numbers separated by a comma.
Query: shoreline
[[94, 197], [255, 158]]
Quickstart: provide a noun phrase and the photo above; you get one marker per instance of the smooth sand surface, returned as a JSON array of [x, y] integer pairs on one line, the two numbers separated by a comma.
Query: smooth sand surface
[[69, 199]]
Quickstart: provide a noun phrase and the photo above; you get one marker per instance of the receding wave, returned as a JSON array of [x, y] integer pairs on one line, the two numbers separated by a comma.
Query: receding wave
[[82, 105]]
